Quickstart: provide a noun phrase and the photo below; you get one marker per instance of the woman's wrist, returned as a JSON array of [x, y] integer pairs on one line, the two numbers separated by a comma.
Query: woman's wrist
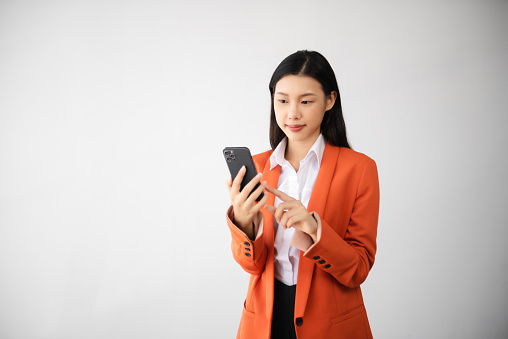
[[314, 234], [247, 228]]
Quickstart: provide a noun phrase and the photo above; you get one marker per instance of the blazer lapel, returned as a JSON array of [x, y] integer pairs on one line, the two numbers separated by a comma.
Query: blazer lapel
[[272, 179], [317, 204]]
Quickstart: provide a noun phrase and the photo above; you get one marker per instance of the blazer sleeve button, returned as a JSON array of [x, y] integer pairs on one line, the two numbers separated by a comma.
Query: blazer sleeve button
[[299, 321], [322, 262], [317, 257], [327, 266]]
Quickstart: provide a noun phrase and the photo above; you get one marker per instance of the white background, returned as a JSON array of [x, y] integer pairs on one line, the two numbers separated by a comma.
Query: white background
[[113, 116]]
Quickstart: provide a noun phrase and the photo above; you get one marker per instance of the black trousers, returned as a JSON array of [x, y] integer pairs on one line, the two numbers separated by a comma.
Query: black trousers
[[283, 326]]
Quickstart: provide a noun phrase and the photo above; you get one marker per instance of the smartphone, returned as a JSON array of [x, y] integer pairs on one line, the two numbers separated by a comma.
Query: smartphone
[[236, 157]]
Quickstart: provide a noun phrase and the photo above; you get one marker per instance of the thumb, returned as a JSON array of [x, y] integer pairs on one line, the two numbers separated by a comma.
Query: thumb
[[270, 209]]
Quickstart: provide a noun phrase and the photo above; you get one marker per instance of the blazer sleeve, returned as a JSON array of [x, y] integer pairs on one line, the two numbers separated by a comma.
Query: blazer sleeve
[[350, 259], [250, 254]]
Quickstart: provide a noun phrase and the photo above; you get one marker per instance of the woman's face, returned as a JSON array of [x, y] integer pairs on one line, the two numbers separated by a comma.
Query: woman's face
[[300, 105]]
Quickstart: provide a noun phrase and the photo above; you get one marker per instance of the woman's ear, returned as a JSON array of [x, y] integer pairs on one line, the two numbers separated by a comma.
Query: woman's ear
[[330, 100]]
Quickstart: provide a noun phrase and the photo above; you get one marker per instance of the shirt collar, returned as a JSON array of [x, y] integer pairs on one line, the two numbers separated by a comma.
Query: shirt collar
[[277, 157]]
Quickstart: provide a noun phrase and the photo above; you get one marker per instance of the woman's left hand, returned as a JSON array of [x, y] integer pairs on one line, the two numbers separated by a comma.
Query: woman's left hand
[[292, 213]]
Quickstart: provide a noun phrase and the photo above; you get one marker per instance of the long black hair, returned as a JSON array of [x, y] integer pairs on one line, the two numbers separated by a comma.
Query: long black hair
[[314, 65]]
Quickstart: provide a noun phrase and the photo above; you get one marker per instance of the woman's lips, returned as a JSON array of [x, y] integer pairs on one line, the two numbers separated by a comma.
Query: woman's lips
[[295, 128]]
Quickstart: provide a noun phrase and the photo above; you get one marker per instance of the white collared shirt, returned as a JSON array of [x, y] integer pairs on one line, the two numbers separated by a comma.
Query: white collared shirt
[[297, 185]]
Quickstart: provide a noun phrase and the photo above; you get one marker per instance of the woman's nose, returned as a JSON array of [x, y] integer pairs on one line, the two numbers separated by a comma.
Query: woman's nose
[[294, 113]]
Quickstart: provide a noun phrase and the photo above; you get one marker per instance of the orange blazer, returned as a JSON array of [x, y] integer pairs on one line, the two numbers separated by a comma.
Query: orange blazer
[[328, 301]]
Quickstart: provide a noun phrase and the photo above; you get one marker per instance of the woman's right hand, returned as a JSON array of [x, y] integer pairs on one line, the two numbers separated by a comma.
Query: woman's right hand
[[245, 207]]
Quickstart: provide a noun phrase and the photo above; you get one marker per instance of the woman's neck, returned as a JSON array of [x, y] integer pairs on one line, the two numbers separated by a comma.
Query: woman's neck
[[296, 151]]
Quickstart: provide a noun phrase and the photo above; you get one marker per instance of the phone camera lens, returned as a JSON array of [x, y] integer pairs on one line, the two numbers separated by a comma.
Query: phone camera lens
[[233, 157], [226, 153], [228, 159]]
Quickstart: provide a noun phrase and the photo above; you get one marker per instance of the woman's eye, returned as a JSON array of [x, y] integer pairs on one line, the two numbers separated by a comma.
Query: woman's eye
[[305, 102], [282, 101]]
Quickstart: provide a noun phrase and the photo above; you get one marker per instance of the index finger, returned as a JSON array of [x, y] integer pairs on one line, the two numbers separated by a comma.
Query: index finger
[[238, 179], [281, 195]]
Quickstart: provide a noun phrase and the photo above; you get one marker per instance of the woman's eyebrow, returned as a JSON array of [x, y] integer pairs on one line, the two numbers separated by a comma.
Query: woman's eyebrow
[[303, 95]]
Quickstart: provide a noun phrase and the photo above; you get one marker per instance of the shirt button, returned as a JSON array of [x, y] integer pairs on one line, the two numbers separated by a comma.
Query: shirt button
[[246, 243], [299, 321], [247, 254]]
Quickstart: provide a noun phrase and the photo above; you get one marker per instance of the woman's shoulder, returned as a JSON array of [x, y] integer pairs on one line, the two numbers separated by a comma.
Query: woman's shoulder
[[354, 155], [354, 158], [260, 159]]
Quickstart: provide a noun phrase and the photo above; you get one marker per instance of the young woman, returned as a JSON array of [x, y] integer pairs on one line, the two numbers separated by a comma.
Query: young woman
[[310, 243]]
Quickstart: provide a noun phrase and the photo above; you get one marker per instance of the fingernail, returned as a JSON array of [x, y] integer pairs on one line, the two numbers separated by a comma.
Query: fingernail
[[263, 183]]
